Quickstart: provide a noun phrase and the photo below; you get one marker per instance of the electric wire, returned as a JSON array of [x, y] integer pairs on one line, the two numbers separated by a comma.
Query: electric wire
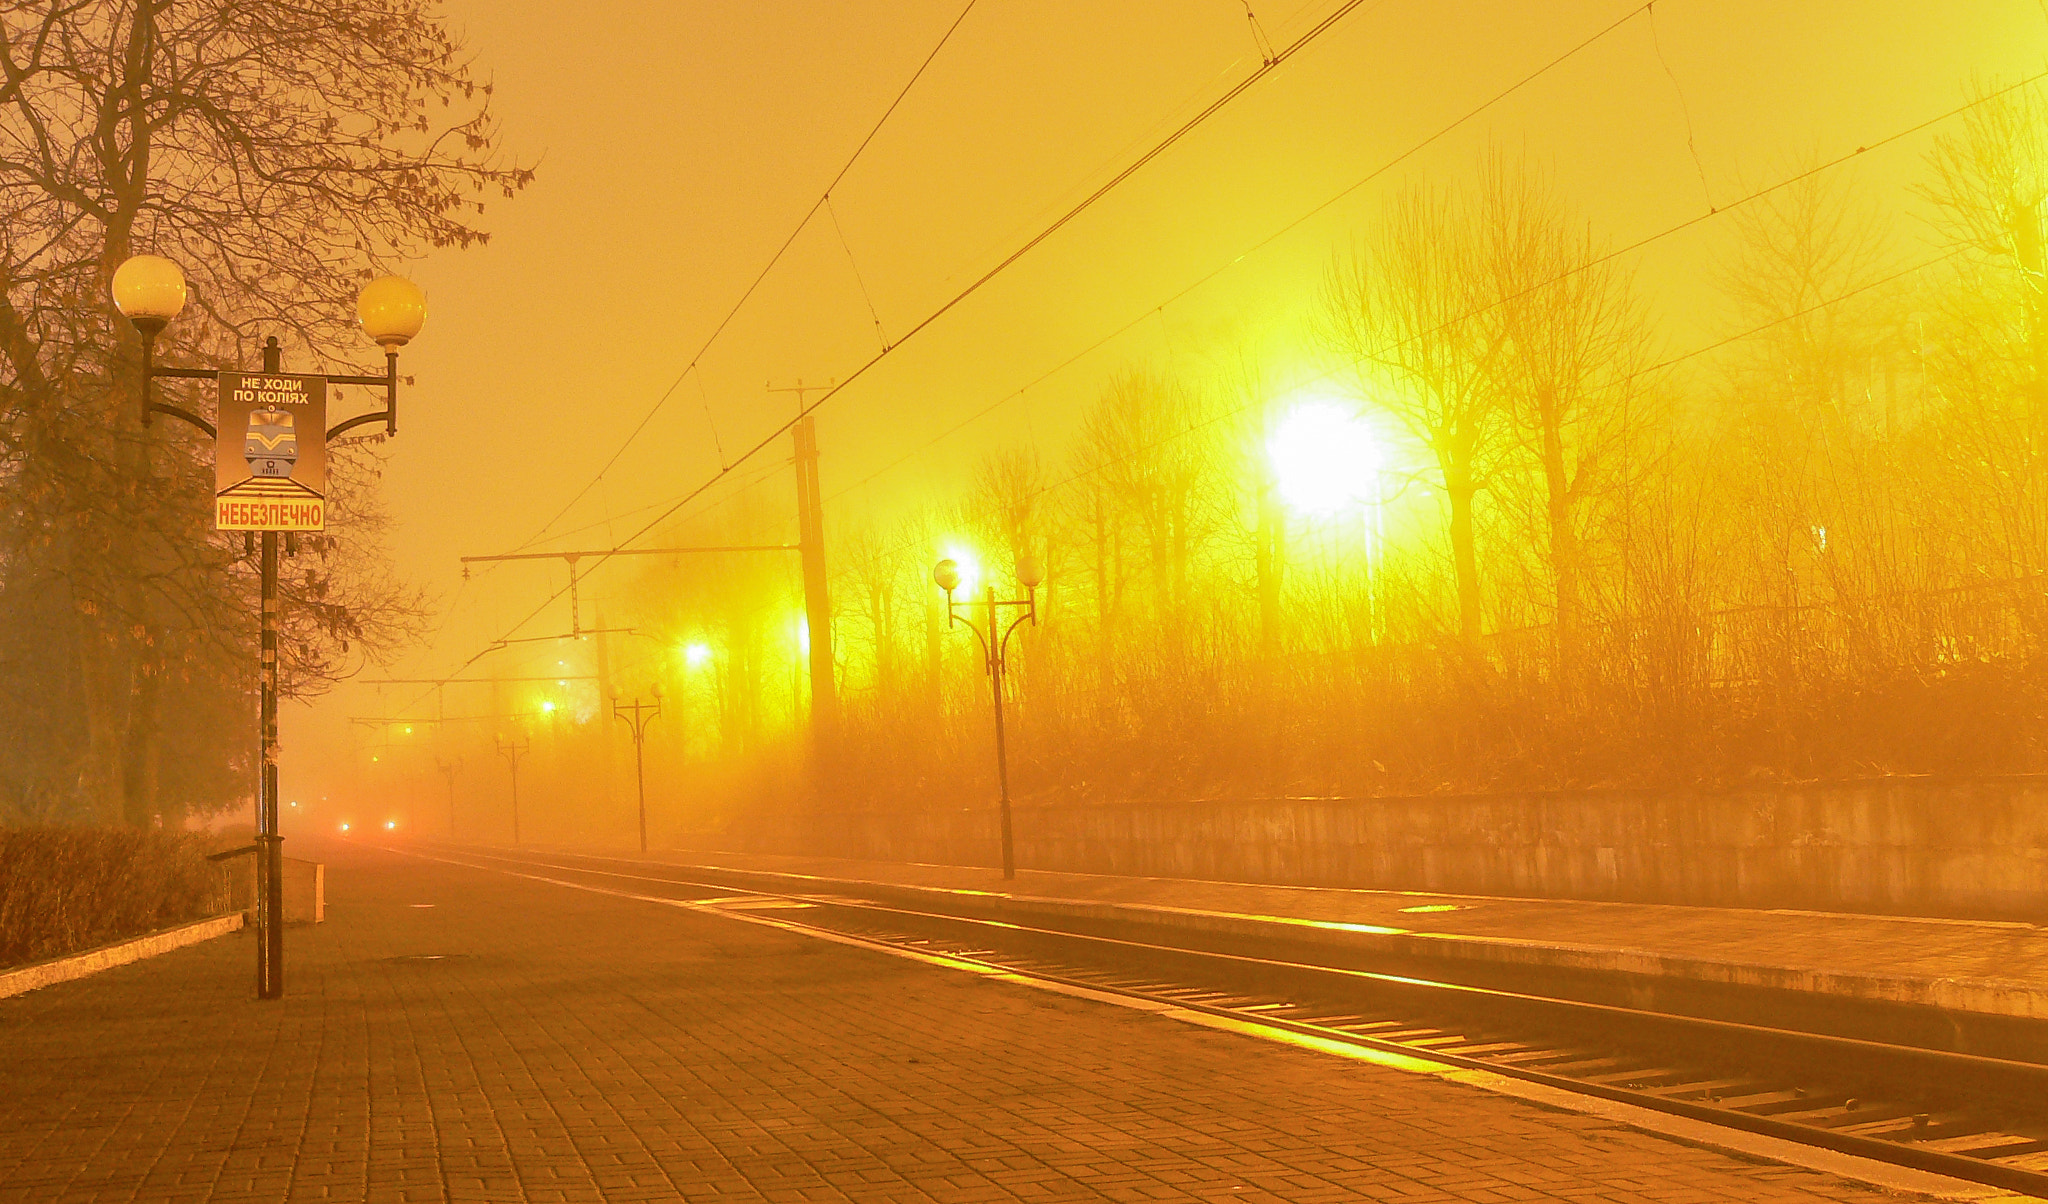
[[824, 198], [1305, 217], [805, 409], [1659, 366], [1481, 310]]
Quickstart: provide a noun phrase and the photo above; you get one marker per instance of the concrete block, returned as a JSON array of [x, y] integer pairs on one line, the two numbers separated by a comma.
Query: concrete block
[[305, 891]]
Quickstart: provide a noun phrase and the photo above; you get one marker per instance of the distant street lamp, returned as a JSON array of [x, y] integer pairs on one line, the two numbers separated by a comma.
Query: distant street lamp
[[512, 750], [638, 715], [995, 643], [149, 290]]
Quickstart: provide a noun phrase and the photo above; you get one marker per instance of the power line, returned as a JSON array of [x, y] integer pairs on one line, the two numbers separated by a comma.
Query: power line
[[1478, 311], [1284, 230], [824, 198], [1659, 366], [1634, 246], [1314, 32]]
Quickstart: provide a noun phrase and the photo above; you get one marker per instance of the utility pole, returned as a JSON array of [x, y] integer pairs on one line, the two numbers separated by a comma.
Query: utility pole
[[512, 750], [810, 547], [448, 770], [817, 603], [810, 525]]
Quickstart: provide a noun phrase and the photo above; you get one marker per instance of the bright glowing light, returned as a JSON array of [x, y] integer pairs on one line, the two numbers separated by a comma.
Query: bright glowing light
[[408, 729], [696, 656], [1325, 458], [390, 824], [344, 827], [802, 629], [968, 563], [547, 706]]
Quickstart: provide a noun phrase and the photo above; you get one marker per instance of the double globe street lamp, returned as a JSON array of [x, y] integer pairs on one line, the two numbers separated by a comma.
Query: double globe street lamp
[[995, 643], [638, 715], [282, 488]]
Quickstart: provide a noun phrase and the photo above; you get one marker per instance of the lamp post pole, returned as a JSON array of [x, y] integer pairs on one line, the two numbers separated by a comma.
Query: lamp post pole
[[448, 770], [512, 750], [995, 644], [638, 715], [150, 291]]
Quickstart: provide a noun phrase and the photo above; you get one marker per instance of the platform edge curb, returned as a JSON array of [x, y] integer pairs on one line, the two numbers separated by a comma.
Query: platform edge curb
[[80, 965]]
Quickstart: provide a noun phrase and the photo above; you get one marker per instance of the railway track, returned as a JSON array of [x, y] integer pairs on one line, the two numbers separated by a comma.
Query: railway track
[[1969, 1116]]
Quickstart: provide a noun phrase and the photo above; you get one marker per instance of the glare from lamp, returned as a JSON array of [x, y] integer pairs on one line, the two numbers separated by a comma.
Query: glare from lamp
[[1325, 458]]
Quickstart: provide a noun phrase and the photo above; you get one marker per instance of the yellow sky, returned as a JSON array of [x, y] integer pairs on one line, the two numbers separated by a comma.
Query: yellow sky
[[679, 143]]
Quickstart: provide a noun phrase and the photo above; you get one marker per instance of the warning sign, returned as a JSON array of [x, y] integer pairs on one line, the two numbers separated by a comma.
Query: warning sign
[[270, 456]]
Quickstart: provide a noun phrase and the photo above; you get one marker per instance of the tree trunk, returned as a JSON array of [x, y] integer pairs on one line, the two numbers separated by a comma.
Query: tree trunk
[[1460, 490], [145, 742], [1564, 544]]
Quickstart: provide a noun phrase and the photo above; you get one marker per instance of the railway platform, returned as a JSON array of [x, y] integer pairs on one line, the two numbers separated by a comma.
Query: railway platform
[[1988, 967], [459, 1033]]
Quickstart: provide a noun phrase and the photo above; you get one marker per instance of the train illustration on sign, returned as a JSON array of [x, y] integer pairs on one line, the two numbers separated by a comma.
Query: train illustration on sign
[[272, 444]]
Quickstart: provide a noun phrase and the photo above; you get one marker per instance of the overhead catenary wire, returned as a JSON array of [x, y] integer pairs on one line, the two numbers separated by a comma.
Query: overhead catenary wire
[[824, 199], [1628, 377], [806, 409], [1550, 282], [1286, 229], [1409, 153]]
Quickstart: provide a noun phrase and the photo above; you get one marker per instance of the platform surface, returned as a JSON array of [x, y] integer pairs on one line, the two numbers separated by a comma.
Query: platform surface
[[453, 1034], [1992, 966]]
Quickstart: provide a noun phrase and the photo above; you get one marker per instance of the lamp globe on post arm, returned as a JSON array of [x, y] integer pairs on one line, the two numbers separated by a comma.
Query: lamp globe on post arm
[[149, 290], [947, 576], [391, 309]]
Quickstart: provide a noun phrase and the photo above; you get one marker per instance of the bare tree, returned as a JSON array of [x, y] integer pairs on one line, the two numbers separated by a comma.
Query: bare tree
[[282, 154], [1412, 318], [1577, 343]]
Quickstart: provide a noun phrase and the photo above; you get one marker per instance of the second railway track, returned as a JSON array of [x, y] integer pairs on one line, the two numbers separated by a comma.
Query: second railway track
[[1966, 1115]]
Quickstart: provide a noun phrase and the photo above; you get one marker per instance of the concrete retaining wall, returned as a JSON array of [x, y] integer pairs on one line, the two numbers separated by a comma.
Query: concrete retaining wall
[[1903, 845]]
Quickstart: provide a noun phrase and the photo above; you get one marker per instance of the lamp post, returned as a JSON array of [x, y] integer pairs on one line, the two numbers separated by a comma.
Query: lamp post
[[448, 770], [638, 715], [149, 290], [995, 643], [512, 750]]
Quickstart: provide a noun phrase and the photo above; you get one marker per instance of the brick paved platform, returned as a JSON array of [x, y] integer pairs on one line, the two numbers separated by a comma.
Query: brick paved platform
[[1993, 967], [460, 1035]]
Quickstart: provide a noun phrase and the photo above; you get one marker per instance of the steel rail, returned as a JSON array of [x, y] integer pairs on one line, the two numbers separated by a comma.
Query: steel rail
[[1916, 1065]]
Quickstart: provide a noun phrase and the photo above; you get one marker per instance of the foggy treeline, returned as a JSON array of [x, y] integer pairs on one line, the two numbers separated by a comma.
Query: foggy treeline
[[281, 156], [1588, 556]]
